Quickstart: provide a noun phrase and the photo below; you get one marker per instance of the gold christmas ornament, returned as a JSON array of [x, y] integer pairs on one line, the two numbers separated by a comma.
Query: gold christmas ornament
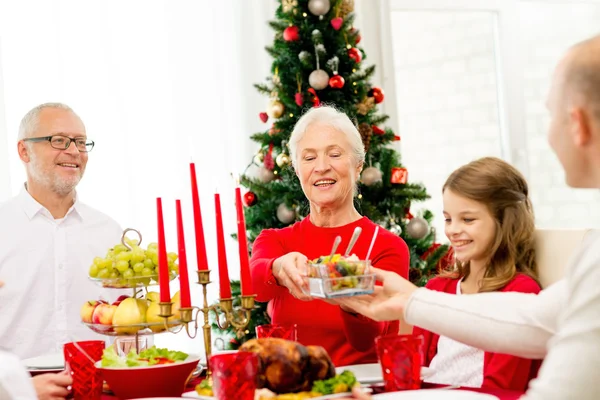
[[282, 160], [288, 5], [259, 158], [370, 176], [346, 7], [365, 106], [275, 109]]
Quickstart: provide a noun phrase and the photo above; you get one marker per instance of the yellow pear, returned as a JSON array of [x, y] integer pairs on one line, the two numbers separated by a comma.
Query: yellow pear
[[176, 305], [130, 312], [153, 296], [153, 317]]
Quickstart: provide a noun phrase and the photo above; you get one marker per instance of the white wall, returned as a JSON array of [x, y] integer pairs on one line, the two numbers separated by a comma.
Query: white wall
[[447, 91], [447, 95], [548, 30]]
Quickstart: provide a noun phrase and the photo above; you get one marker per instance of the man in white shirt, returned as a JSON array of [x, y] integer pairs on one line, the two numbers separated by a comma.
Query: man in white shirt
[[562, 323], [49, 239]]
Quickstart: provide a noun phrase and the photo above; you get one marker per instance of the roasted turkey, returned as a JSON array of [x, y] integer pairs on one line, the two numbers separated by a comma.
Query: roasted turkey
[[289, 367]]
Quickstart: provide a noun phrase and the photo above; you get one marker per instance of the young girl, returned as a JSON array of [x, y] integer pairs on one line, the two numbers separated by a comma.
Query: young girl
[[490, 225]]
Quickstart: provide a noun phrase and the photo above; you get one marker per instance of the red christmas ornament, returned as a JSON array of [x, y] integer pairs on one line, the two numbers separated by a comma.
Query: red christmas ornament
[[291, 34], [408, 215], [397, 138], [336, 81], [316, 102], [337, 23], [357, 37], [299, 99], [377, 94], [249, 199], [264, 117], [377, 130], [355, 54], [399, 175]]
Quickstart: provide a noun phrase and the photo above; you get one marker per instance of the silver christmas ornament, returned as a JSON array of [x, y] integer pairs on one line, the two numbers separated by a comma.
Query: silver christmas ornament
[[319, 7], [370, 176], [264, 175], [318, 79], [285, 215], [396, 230], [282, 160], [417, 228]]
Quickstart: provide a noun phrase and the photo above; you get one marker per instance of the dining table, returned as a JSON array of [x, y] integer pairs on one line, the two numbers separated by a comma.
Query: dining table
[[501, 394]]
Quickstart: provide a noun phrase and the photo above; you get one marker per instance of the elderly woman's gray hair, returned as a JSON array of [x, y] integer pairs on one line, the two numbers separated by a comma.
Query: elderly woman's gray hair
[[327, 115]]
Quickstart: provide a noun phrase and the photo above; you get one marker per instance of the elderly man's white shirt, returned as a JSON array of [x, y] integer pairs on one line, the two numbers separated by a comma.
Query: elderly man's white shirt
[[15, 381], [44, 263]]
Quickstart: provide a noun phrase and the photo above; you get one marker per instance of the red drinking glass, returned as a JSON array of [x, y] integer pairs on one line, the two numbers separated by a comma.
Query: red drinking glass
[[87, 380], [288, 332], [400, 359], [234, 375]]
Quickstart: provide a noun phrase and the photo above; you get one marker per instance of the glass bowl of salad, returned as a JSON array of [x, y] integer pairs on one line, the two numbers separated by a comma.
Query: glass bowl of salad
[[338, 276]]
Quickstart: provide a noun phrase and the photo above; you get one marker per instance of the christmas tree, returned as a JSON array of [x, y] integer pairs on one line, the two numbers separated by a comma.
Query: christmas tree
[[317, 60]]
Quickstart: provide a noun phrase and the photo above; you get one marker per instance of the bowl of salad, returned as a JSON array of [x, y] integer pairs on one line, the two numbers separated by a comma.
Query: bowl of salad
[[339, 276], [153, 372]]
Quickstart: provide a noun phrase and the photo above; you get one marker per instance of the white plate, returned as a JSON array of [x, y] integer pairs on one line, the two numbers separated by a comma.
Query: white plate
[[48, 361], [434, 394], [371, 373]]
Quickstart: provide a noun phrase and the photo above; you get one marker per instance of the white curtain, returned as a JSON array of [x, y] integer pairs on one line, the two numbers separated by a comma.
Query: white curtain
[[158, 84]]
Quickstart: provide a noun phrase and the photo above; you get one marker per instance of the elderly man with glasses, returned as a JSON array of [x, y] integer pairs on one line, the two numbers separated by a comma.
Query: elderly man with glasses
[[49, 238]]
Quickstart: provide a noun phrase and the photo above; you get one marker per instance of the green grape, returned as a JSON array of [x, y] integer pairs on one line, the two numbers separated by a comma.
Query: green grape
[[147, 271], [128, 274], [172, 257], [124, 256], [148, 263], [110, 254], [106, 263], [138, 267], [94, 270], [154, 259], [145, 281], [114, 274], [119, 248], [103, 274], [137, 256], [175, 269], [98, 261], [122, 266], [153, 246]]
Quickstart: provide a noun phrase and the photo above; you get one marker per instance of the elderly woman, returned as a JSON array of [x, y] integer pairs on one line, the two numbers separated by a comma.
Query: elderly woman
[[328, 155]]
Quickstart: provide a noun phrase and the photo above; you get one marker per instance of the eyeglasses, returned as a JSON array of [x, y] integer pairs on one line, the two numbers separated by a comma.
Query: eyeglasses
[[60, 142]]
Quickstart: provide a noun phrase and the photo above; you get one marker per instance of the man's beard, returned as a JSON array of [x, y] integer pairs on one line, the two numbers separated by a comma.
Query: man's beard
[[62, 187]]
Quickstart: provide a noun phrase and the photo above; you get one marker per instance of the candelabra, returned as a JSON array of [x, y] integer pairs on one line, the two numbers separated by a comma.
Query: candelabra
[[238, 318]]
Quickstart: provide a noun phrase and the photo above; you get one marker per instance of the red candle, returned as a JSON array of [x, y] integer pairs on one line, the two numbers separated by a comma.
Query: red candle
[[184, 280], [200, 245], [225, 289], [245, 276], [163, 264]]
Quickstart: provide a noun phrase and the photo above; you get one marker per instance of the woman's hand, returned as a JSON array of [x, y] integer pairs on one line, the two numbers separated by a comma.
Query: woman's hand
[[288, 270], [387, 302]]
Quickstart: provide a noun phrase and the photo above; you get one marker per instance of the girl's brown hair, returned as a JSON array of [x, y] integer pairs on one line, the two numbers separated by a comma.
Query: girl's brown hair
[[503, 189]]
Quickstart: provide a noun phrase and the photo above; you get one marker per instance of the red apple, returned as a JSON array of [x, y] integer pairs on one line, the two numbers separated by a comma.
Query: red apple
[[103, 314], [120, 299], [87, 310]]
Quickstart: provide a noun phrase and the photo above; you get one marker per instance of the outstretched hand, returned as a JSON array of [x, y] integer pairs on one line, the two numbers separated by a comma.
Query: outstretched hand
[[387, 302], [289, 270]]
